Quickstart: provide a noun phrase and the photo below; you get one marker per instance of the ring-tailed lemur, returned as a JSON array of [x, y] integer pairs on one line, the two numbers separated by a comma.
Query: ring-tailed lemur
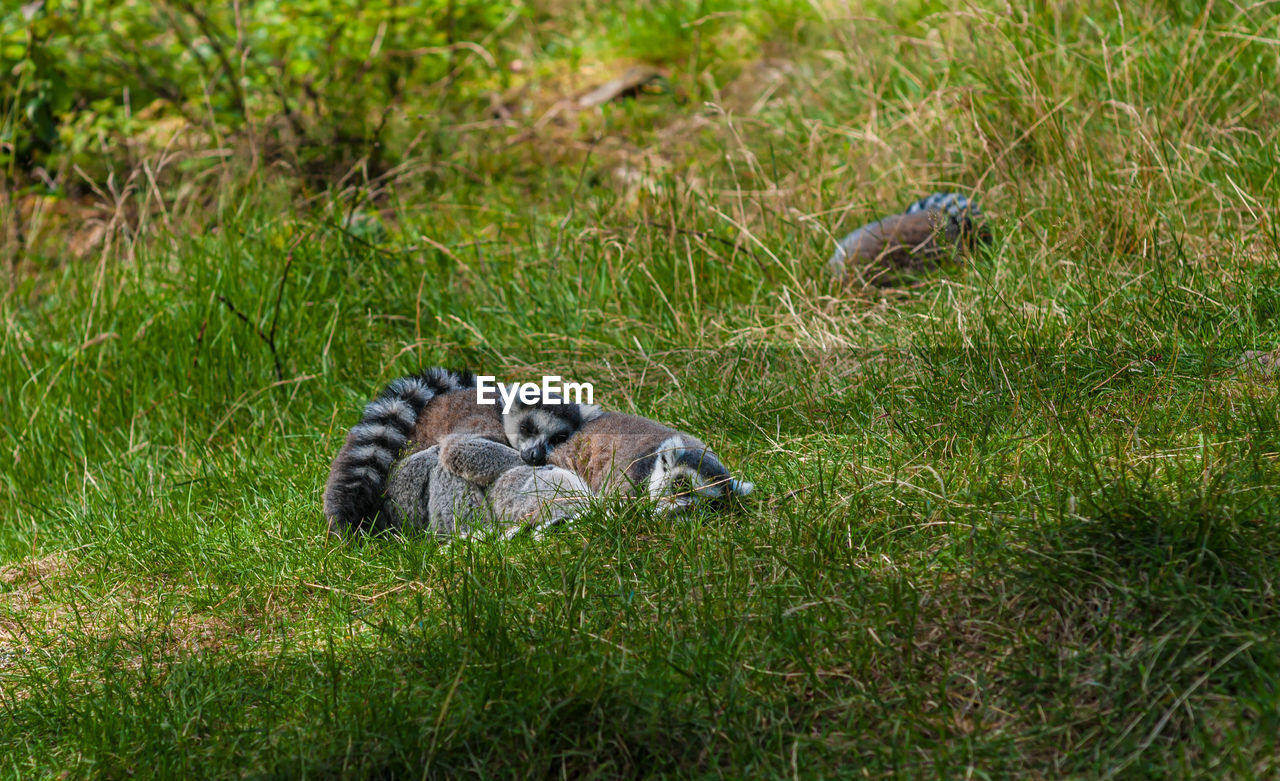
[[469, 484], [413, 413], [930, 229], [615, 452]]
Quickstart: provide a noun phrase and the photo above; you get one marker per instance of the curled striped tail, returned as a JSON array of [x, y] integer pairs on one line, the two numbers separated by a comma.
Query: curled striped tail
[[358, 477], [951, 203], [964, 218]]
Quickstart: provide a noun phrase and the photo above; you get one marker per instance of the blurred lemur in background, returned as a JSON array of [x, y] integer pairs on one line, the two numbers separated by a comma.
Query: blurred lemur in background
[[932, 229]]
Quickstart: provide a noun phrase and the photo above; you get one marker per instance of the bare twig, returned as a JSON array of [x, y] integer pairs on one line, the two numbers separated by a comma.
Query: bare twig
[[708, 236], [266, 339], [199, 342], [284, 276], [269, 337]]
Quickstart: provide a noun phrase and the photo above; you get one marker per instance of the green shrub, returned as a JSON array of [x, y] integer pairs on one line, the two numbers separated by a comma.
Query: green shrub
[[325, 75]]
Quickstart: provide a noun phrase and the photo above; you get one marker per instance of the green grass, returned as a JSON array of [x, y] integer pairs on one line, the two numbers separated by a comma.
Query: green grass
[[1017, 517]]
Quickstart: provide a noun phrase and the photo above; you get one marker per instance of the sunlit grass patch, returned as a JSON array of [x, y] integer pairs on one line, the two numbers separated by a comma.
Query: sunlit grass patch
[[1015, 516]]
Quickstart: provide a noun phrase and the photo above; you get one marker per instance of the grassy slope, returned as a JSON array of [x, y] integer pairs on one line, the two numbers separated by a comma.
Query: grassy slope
[[1014, 517]]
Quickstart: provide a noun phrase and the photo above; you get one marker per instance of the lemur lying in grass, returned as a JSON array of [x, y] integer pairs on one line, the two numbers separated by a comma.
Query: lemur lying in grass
[[416, 415]]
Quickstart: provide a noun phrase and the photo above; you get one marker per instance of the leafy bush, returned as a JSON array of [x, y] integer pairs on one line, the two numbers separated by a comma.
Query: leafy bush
[[326, 75]]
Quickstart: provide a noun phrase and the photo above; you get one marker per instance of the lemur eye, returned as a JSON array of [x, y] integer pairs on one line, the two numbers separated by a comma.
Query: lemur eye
[[559, 439], [526, 429]]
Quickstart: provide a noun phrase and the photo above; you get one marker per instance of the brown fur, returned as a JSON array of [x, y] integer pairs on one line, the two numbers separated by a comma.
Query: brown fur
[[611, 451], [456, 412], [903, 241]]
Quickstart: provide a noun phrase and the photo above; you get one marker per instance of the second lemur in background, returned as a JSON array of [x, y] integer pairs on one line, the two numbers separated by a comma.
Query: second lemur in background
[[932, 229]]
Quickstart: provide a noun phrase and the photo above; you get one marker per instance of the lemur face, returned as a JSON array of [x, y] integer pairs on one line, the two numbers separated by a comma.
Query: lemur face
[[684, 476], [537, 429]]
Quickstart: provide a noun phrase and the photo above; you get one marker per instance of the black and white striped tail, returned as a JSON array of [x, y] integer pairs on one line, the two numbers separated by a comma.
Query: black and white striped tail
[[954, 204], [358, 477], [964, 218]]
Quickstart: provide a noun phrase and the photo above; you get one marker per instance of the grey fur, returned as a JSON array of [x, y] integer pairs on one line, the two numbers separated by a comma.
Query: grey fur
[[685, 472], [358, 475], [468, 484], [415, 412]]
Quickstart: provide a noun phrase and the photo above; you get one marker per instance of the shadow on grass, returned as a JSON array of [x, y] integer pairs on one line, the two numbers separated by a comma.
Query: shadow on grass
[[1142, 612]]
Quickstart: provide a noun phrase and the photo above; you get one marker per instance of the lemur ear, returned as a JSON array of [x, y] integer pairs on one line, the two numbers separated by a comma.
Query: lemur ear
[[589, 411], [513, 389], [741, 487]]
